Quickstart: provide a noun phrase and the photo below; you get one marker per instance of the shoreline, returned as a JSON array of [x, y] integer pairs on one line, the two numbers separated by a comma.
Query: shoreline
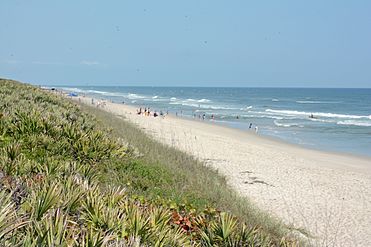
[[327, 133], [273, 139], [326, 193]]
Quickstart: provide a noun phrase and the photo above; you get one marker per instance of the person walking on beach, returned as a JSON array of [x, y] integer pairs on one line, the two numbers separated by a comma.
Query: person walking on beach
[[250, 126], [256, 129]]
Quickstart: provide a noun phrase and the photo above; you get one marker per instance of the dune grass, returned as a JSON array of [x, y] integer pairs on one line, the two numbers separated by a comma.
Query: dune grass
[[65, 180], [180, 177]]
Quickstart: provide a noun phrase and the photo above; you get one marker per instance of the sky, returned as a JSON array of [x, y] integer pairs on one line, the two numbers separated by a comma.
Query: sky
[[238, 43]]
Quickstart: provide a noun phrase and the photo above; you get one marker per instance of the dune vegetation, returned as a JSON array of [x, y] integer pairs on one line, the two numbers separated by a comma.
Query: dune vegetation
[[72, 175]]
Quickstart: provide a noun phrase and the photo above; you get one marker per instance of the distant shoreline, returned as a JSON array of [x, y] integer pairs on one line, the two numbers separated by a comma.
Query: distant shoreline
[[337, 128], [208, 122]]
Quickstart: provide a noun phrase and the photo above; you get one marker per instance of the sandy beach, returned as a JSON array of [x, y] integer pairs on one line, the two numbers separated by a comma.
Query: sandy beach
[[327, 194]]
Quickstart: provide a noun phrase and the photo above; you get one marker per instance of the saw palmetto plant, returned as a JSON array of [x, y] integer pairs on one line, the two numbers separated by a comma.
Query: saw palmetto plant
[[60, 184]]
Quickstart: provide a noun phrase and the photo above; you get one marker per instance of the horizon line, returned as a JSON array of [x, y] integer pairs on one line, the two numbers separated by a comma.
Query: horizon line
[[182, 86]]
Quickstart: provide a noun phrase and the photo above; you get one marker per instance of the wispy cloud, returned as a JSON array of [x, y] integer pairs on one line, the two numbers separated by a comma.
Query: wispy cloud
[[89, 63]]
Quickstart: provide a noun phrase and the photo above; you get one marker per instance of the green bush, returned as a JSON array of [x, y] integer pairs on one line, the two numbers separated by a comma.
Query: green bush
[[65, 181]]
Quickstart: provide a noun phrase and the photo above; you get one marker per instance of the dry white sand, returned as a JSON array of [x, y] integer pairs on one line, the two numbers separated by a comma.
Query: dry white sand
[[327, 194]]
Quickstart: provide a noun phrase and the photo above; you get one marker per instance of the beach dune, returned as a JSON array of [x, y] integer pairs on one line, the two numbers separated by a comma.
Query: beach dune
[[326, 196]]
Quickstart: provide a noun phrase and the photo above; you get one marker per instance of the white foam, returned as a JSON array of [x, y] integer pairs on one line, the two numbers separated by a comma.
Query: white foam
[[191, 100], [316, 102], [264, 116], [316, 114], [135, 96], [275, 100], [73, 89], [246, 108], [321, 120], [79, 90], [204, 100], [287, 124], [280, 124], [198, 100], [355, 123]]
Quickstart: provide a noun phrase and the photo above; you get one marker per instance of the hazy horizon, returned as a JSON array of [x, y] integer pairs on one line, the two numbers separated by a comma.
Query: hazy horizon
[[316, 44], [186, 86]]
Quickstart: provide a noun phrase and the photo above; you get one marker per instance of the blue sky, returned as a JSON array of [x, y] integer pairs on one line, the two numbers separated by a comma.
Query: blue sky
[[187, 43]]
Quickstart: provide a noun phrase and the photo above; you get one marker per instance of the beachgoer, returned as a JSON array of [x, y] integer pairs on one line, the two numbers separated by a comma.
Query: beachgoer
[[203, 116], [256, 129], [250, 125]]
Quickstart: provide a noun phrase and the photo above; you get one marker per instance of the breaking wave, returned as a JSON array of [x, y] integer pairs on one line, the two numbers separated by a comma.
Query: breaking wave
[[287, 124], [316, 114], [355, 123], [316, 102]]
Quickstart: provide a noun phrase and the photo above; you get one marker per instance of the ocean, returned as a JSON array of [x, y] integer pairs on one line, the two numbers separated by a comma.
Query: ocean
[[325, 119]]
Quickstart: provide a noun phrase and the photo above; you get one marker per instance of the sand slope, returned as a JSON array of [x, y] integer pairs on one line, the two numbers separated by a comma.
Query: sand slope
[[327, 194]]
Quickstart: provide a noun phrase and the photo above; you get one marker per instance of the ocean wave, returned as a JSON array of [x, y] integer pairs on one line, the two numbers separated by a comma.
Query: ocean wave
[[79, 90], [104, 93], [135, 96], [202, 106], [204, 100], [316, 102], [264, 116], [100, 92], [321, 120], [155, 97], [246, 108], [316, 114], [172, 99], [355, 123], [287, 124], [73, 89], [198, 100]]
